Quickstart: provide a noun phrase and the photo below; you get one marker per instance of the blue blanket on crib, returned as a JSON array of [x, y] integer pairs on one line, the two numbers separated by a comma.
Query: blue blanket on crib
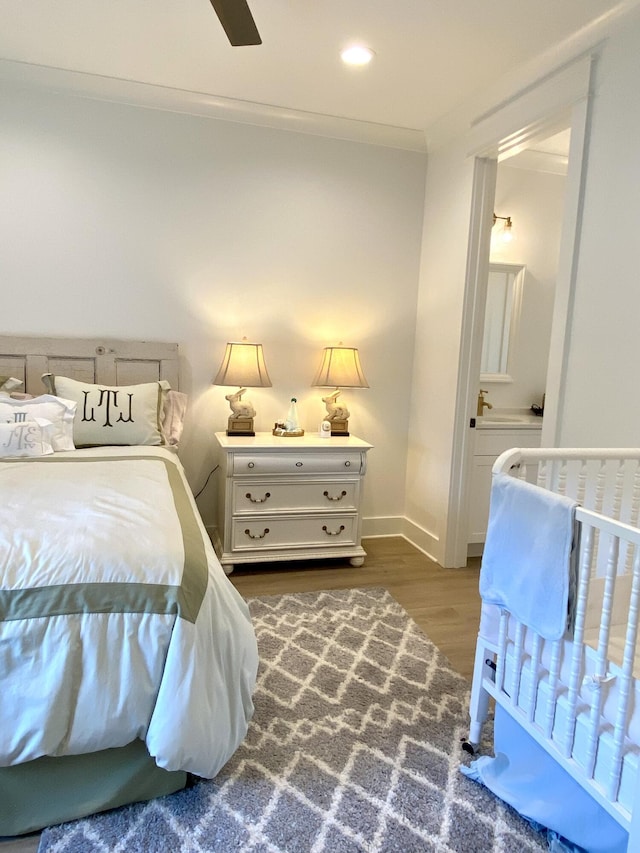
[[526, 564]]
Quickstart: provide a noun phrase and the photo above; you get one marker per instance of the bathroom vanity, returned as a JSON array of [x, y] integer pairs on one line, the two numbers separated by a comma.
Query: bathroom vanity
[[496, 432]]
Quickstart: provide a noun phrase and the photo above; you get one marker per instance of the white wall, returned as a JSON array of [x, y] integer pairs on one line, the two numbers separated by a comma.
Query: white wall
[[136, 223], [602, 400], [600, 404], [535, 202], [438, 332]]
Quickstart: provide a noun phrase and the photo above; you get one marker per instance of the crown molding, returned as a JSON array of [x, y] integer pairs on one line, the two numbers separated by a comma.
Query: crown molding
[[25, 75], [585, 43]]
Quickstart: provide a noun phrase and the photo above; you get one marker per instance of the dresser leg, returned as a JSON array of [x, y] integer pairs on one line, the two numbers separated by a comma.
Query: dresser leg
[[356, 561], [228, 568]]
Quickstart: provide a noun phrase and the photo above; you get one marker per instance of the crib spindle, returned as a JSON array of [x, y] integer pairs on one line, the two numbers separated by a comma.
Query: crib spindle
[[518, 656], [618, 487], [502, 649], [634, 513], [575, 675], [561, 487], [616, 499], [552, 699], [536, 654], [581, 485], [600, 674], [542, 476], [624, 695], [633, 510]]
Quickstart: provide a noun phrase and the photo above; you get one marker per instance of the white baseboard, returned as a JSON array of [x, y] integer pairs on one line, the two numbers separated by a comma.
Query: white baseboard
[[399, 525], [475, 549], [421, 539]]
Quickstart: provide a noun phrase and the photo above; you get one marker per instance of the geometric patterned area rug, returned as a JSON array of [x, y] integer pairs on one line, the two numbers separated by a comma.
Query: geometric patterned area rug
[[354, 748]]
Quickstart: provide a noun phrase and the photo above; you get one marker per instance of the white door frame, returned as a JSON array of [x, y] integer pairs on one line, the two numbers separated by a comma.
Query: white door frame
[[560, 100]]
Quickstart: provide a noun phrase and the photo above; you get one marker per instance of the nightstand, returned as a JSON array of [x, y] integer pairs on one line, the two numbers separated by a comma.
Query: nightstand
[[286, 498]]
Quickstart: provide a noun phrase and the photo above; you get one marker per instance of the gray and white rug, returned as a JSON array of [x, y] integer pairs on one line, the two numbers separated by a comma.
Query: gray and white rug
[[354, 748]]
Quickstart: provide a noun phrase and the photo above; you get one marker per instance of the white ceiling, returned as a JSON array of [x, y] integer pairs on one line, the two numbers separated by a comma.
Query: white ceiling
[[431, 55]]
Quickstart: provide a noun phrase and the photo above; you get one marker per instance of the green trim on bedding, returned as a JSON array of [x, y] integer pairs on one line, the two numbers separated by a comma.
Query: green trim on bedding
[[183, 601], [50, 790]]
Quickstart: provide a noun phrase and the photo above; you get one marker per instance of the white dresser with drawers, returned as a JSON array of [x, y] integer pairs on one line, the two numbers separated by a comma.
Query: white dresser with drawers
[[286, 498]]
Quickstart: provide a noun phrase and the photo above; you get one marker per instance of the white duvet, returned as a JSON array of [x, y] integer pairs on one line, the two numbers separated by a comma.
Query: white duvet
[[117, 621]]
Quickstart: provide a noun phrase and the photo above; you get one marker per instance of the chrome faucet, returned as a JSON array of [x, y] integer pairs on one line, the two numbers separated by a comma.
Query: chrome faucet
[[482, 403]]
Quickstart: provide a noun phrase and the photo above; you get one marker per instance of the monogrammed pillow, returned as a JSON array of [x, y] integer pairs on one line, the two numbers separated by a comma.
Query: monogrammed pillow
[[25, 438], [106, 414], [60, 412]]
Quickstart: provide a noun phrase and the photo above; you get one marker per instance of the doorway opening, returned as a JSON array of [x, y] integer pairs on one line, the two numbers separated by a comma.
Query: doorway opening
[[572, 121], [519, 307]]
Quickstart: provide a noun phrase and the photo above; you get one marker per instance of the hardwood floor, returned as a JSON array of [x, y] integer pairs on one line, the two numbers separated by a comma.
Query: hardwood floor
[[444, 602]]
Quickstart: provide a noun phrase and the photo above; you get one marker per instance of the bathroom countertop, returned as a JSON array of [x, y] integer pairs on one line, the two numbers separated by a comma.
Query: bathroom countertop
[[509, 419]]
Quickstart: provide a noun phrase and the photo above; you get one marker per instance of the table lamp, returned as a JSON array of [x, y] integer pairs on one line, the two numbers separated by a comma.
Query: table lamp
[[340, 368], [242, 366]]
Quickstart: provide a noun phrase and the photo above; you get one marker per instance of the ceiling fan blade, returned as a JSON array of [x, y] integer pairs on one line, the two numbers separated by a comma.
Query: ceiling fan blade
[[237, 22]]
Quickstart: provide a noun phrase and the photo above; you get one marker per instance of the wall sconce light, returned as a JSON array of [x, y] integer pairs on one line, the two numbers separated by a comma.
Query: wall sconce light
[[242, 365], [506, 235], [340, 368]]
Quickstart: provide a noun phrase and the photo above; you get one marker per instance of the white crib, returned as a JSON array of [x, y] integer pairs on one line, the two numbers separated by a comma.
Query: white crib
[[578, 697]]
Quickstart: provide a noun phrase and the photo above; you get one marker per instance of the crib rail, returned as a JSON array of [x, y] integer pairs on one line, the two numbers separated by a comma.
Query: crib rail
[[577, 696], [604, 480]]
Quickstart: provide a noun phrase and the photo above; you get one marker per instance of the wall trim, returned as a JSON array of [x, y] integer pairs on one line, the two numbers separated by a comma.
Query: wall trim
[[97, 87], [576, 46], [421, 538], [501, 128]]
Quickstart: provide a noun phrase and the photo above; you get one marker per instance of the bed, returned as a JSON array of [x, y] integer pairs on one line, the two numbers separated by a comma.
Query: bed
[[127, 658], [557, 648]]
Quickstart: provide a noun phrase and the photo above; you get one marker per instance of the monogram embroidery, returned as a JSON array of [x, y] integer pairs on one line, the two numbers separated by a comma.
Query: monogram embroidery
[[109, 406], [24, 436]]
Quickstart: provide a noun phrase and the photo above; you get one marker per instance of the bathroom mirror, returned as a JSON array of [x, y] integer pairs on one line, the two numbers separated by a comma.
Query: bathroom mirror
[[502, 313]]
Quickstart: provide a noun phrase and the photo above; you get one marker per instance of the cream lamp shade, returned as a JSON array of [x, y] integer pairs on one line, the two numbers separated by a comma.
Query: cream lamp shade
[[242, 365], [340, 368]]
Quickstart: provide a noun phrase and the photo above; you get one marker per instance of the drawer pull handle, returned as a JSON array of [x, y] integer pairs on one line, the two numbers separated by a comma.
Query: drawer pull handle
[[347, 464], [251, 464], [258, 535], [333, 533], [339, 497], [253, 500], [298, 464]]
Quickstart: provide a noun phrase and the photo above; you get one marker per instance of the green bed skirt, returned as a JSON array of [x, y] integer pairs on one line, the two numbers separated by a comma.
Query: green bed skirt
[[47, 790]]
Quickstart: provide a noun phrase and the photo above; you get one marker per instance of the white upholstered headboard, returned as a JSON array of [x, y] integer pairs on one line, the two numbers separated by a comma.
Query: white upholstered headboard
[[104, 361]]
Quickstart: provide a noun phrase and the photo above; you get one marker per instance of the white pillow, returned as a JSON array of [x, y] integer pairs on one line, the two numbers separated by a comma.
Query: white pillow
[[26, 438], [112, 415], [8, 384], [60, 412]]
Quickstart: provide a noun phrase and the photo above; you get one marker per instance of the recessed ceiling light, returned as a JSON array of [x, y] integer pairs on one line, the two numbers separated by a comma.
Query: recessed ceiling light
[[357, 54]]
